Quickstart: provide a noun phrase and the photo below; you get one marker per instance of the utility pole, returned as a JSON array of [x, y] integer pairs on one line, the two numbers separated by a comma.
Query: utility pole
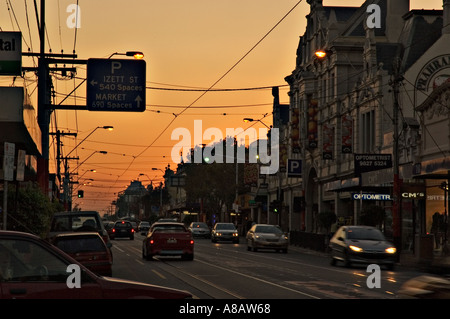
[[43, 100], [396, 209]]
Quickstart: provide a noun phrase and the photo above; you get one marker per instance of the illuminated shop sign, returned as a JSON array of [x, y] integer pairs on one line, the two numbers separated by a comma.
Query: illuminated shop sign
[[383, 197], [413, 195]]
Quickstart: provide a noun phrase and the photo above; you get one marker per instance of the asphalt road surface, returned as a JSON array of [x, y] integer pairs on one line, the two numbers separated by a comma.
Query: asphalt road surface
[[229, 271]]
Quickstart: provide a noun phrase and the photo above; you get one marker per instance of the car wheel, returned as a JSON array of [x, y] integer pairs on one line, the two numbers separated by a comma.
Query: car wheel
[[333, 261], [254, 247], [131, 237]]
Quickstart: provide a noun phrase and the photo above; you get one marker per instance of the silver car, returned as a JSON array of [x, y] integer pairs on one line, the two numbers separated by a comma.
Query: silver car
[[224, 232], [362, 244], [199, 229], [267, 237]]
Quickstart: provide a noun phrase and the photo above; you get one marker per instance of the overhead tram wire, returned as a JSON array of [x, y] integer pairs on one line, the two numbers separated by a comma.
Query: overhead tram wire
[[214, 84]]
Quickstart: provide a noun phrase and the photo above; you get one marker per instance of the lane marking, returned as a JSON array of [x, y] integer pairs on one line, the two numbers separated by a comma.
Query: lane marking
[[159, 274]]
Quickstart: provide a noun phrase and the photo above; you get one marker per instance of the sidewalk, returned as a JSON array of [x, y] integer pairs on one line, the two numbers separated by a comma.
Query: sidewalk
[[439, 264]]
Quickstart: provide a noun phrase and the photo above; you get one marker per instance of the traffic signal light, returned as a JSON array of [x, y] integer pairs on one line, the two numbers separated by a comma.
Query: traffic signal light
[[80, 194], [275, 206]]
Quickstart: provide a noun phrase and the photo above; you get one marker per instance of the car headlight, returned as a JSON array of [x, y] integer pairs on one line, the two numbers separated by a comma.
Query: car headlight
[[355, 248], [391, 250], [235, 234]]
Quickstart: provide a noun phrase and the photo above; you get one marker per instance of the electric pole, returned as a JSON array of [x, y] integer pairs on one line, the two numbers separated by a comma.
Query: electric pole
[[396, 207]]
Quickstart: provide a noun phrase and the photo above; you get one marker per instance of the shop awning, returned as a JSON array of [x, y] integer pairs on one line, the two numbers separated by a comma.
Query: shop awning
[[18, 122]]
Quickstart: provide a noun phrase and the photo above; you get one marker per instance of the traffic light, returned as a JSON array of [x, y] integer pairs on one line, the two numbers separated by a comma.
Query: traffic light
[[80, 194], [275, 206]]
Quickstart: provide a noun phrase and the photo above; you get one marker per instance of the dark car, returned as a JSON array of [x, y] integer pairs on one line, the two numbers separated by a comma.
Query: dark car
[[87, 248], [225, 232], [426, 287], [267, 237], [143, 227], [362, 244], [168, 239], [108, 227], [33, 268], [81, 221], [122, 228]]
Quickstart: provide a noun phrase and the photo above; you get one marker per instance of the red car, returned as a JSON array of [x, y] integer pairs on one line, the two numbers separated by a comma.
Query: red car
[[87, 248], [32, 268], [168, 239]]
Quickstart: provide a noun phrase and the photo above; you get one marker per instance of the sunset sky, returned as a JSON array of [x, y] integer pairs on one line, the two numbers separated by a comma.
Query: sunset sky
[[187, 44]]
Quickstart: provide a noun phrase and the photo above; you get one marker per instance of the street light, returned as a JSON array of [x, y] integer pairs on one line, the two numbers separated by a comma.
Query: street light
[[101, 152], [320, 54], [138, 55], [106, 127], [247, 119]]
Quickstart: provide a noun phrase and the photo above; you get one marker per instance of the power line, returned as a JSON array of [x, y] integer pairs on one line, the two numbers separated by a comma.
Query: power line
[[213, 85], [215, 90]]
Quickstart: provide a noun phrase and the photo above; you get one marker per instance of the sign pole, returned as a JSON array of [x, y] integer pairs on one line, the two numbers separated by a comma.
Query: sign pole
[[5, 203]]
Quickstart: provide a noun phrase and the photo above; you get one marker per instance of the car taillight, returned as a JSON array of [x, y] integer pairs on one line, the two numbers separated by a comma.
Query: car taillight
[[192, 242], [152, 241], [113, 230], [132, 230]]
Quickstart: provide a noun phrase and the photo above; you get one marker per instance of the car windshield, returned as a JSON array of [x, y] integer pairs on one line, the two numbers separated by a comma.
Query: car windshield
[[74, 223], [365, 234], [169, 228], [78, 244], [225, 226], [122, 225], [268, 229]]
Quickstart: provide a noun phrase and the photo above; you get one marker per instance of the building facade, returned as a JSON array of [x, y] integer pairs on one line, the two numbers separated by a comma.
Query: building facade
[[368, 117]]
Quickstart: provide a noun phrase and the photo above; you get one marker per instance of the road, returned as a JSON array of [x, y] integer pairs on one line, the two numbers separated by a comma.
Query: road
[[229, 271]]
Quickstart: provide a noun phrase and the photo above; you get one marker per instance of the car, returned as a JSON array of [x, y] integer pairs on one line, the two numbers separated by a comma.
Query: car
[[36, 269], [67, 222], [168, 239], [122, 228], [363, 245], [224, 232], [143, 227], [164, 220], [267, 236], [426, 287], [108, 227], [199, 229], [88, 248]]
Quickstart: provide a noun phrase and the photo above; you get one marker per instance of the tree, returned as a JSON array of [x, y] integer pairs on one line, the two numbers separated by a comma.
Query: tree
[[30, 210]]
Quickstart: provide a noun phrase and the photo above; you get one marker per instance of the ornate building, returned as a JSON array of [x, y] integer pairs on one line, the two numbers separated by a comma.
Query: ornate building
[[358, 112]]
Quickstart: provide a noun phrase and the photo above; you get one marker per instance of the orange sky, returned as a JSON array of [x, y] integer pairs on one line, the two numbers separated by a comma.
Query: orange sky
[[187, 44]]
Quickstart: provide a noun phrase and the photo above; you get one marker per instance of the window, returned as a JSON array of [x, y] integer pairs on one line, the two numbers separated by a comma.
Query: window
[[367, 129], [25, 261]]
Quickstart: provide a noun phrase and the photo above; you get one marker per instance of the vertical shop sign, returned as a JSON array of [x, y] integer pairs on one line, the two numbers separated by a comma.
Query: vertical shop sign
[[312, 123], [347, 134]]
